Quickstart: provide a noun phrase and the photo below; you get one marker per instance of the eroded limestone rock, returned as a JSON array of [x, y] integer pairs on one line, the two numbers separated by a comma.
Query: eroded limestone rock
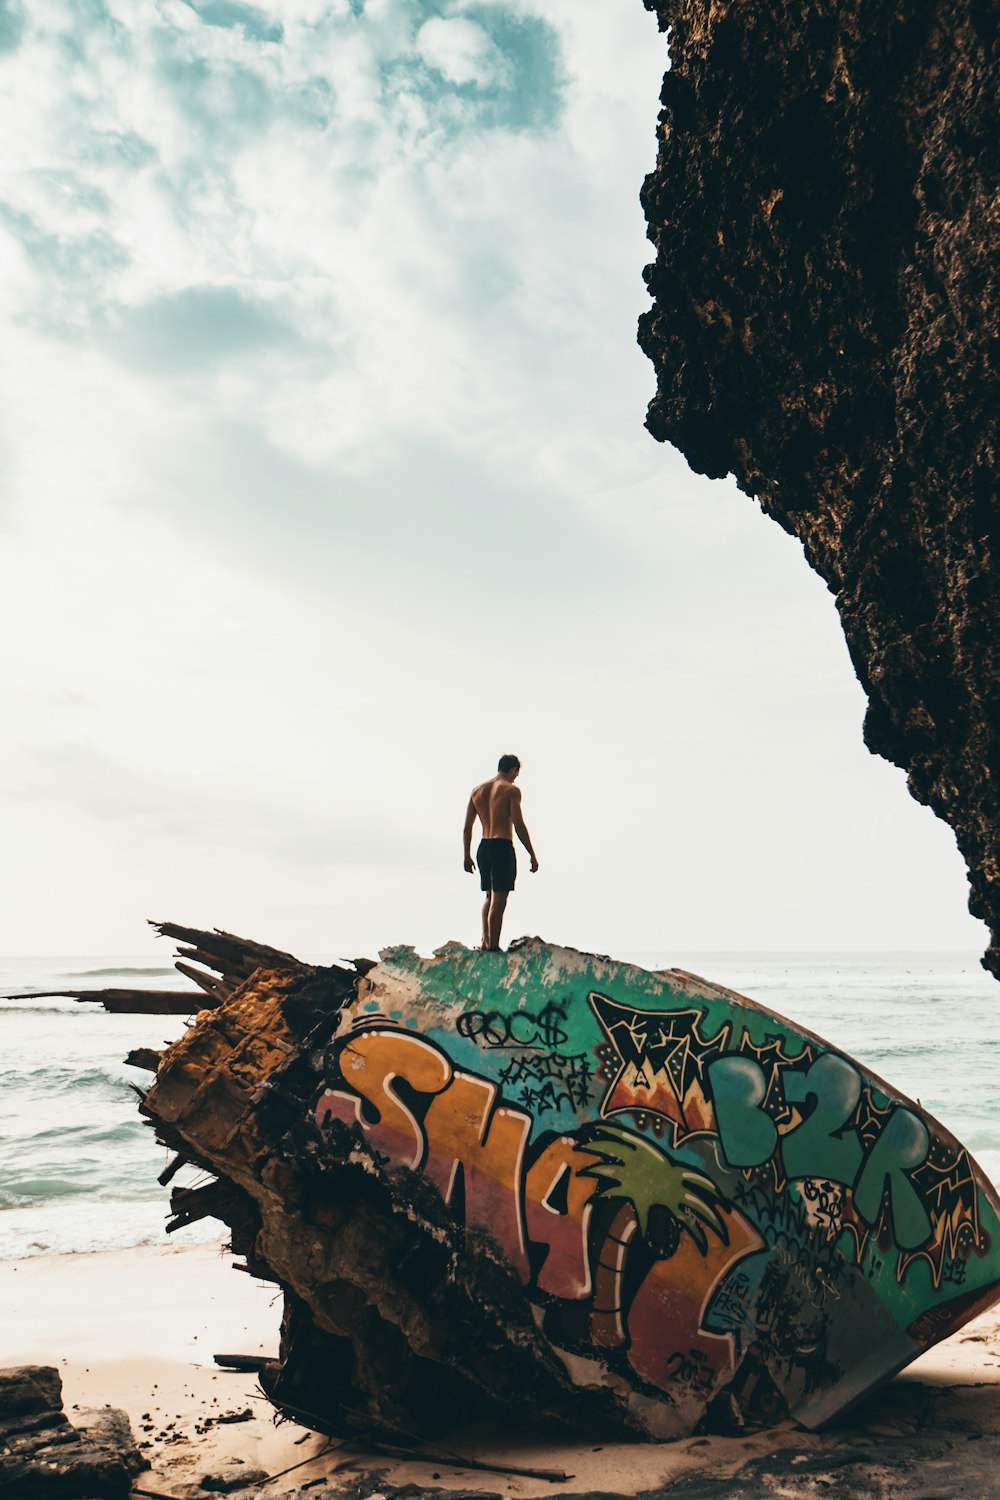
[[824, 328]]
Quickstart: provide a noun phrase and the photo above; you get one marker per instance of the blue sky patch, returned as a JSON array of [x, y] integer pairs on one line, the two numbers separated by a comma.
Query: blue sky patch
[[533, 99], [68, 259], [513, 81], [113, 146], [190, 330], [256, 24], [312, 103], [224, 101], [11, 25]]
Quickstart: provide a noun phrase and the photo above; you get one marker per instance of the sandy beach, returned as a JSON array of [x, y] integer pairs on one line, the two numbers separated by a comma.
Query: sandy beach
[[138, 1329]]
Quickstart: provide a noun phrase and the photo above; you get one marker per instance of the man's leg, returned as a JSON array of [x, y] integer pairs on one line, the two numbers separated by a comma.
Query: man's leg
[[498, 902], [486, 920]]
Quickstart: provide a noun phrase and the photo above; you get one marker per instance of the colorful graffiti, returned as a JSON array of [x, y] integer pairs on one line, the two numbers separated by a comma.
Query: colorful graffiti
[[694, 1194]]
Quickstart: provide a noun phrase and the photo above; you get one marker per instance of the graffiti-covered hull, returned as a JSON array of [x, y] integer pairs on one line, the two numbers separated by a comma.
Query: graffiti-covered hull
[[543, 1184], [708, 1203]]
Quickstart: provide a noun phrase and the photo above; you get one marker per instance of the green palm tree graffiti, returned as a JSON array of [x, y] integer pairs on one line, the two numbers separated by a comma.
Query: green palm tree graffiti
[[645, 1201]]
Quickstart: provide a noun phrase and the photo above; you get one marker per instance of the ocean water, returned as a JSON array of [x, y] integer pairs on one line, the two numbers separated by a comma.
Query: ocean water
[[78, 1167]]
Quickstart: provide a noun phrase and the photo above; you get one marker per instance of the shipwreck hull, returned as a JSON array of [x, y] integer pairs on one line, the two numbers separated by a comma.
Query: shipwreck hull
[[546, 1185]]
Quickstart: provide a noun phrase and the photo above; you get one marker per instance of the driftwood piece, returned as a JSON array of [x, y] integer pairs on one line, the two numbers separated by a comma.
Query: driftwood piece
[[217, 988], [218, 1200], [234, 958], [147, 1058], [170, 1171], [230, 959], [130, 1002]]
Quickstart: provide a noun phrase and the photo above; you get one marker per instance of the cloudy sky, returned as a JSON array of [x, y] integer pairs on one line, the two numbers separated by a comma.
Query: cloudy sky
[[323, 482]]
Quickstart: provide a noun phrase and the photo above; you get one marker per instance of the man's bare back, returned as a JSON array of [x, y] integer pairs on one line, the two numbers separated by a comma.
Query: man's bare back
[[497, 805], [494, 804]]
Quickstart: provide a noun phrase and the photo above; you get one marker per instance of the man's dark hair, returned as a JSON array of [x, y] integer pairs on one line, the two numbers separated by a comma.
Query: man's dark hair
[[508, 763]]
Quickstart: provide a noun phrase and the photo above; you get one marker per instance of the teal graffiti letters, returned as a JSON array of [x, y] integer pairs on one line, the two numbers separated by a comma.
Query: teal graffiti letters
[[747, 1133], [822, 1144], [903, 1143], [817, 1148]]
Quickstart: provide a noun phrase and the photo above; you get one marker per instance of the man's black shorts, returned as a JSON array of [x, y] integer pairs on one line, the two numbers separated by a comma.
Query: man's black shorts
[[497, 864]]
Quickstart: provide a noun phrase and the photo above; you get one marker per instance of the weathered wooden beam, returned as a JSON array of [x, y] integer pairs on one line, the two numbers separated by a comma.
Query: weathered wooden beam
[[218, 1199], [235, 958], [170, 1172], [130, 1002], [251, 1362], [144, 1057], [150, 1002], [219, 988]]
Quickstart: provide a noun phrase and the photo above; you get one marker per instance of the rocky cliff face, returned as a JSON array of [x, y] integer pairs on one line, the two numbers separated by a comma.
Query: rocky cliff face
[[824, 327]]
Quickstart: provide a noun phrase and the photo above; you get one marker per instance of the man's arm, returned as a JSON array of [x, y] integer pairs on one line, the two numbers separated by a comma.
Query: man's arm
[[520, 827], [470, 820]]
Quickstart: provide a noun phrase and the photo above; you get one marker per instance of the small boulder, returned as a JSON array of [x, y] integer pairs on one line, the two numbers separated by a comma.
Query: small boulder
[[44, 1457]]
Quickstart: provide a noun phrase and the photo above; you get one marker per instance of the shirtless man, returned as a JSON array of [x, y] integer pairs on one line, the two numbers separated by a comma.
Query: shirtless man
[[497, 805]]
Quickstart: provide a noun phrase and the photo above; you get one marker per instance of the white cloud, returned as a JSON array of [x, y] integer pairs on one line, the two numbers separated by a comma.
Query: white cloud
[[324, 482], [461, 51]]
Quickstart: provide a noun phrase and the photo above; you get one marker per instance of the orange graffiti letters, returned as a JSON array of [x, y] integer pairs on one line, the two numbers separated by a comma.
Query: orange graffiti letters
[[469, 1144], [370, 1063]]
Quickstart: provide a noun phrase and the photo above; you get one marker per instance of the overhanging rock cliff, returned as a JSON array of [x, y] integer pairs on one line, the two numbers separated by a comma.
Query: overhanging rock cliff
[[824, 327], [544, 1185]]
